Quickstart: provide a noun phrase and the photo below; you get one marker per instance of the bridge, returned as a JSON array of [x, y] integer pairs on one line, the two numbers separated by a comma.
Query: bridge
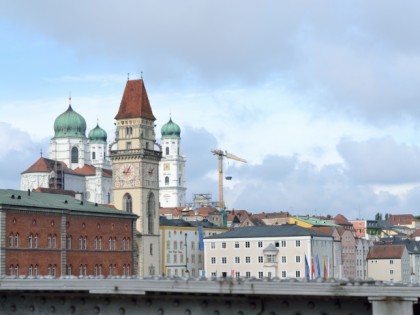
[[186, 296]]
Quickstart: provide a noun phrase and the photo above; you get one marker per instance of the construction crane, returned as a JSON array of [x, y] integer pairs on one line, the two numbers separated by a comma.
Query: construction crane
[[221, 154]]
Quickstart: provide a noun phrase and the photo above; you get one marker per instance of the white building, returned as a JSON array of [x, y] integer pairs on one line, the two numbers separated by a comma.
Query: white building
[[172, 168], [180, 246], [389, 263], [75, 162], [284, 251]]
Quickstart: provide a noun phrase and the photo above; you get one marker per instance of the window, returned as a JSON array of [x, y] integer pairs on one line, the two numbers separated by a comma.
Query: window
[[167, 151], [298, 243], [283, 259], [192, 245], [168, 244], [176, 258], [74, 155], [260, 259], [17, 240], [69, 242], [128, 145], [30, 239], [391, 272], [150, 213], [237, 260], [270, 258], [269, 274], [237, 274], [11, 237], [54, 241], [31, 270], [391, 262], [283, 243], [151, 249], [69, 271], [248, 274], [260, 244], [247, 244], [283, 274], [49, 241], [36, 270], [36, 243], [212, 245], [192, 259], [11, 270], [110, 243], [298, 259], [260, 274], [80, 242], [166, 180], [297, 273], [224, 260], [213, 274], [224, 245], [181, 258], [236, 244], [213, 260], [247, 259], [128, 203], [168, 258], [175, 245]]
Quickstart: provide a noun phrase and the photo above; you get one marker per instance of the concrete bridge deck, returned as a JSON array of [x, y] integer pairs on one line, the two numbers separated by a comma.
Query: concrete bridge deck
[[204, 296]]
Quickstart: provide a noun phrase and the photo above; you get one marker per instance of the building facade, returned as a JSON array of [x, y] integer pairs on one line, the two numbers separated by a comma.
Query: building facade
[[75, 162], [172, 181], [285, 251], [182, 246], [135, 166], [58, 235]]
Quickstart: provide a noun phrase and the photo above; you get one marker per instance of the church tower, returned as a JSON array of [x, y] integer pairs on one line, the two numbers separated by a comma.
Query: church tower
[[135, 167], [171, 168]]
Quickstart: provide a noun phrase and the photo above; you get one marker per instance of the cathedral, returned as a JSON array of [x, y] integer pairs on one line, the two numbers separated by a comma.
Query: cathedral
[[134, 173]]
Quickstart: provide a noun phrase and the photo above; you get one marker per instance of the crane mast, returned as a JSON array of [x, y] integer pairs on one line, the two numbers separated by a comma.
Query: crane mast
[[221, 154]]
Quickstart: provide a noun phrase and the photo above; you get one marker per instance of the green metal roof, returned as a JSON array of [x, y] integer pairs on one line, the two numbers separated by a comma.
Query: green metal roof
[[315, 221], [70, 125], [97, 135], [170, 130], [18, 199]]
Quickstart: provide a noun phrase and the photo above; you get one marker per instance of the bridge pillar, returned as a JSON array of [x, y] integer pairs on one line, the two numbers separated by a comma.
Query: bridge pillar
[[383, 305]]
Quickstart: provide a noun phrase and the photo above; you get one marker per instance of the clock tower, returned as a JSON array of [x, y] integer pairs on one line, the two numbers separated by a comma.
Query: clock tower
[[135, 166]]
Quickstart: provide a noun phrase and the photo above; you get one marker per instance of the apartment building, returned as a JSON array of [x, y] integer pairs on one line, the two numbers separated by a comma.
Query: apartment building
[[284, 251]]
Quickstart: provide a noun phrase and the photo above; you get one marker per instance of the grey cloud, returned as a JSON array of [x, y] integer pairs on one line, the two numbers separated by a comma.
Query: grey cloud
[[380, 161]]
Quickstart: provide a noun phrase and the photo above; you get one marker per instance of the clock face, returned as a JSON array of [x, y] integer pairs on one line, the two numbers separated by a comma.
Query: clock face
[[166, 167], [126, 175], [150, 176]]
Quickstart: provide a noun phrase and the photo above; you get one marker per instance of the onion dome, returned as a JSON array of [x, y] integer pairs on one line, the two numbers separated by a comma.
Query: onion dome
[[170, 130], [97, 135], [70, 125]]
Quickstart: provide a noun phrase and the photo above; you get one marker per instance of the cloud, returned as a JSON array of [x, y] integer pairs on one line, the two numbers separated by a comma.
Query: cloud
[[19, 152], [380, 161]]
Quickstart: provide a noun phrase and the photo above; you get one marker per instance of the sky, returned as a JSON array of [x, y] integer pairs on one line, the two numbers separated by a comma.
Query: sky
[[320, 97]]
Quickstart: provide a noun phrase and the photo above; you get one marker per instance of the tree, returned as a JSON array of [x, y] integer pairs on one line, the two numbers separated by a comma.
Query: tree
[[378, 216]]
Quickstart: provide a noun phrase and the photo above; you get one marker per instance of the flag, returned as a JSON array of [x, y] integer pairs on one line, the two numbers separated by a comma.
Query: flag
[[313, 269], [318, 268], [200, 238], [325, 269], [307, 275]]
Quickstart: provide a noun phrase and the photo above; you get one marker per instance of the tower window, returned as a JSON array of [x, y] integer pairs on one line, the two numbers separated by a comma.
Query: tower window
[[150, 213], [167, 151], [166, 180], [128, 145], [128, 203], [74, 155], [93, 155]]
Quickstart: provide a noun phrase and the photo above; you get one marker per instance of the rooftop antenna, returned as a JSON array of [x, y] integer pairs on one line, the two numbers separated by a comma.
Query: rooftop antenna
[[141, 75]]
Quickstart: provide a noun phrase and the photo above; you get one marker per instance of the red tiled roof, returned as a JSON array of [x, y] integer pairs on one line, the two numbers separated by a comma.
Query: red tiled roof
[[415, 233], [86, 169], [386, 251], [398, 219], [173, 211], [43, 165], [135, 103], [341, 220], [327, 230]]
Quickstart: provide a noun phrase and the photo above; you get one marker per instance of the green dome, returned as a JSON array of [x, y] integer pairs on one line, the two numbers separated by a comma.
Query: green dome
[[170, 130], [97, 135], [69, 125]]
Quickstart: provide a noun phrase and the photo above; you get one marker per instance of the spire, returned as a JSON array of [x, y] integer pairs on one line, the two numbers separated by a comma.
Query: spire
[[135, 103]]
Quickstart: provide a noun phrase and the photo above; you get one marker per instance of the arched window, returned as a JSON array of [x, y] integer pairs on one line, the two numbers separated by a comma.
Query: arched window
[[11, 237], [36, 243], [74, 155], [36, 270], [150, 213], [69, 242], [11, 270], [31, 270], [54, 241], [17, 240], [166, 180], [128, 203], [167, 151], [93, 155], [100, 242], [49, 241], [30, 240]]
